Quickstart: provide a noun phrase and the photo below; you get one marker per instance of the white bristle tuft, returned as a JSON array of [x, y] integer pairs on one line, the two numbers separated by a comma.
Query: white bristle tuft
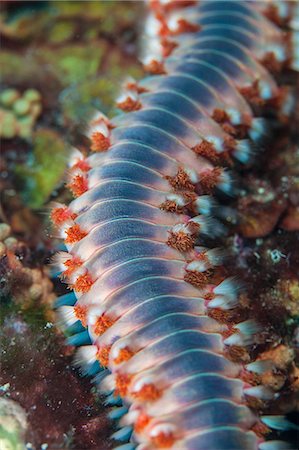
[[229, 287], [130, 418], [222, 302], [217, 143], [142, 381], [85, 355], [258, 129], [172, 21], [275, 445], [191, 174], [58, 260], [234, 115], [119, 345], [279, 423], [265, 90], [208, 226], [126, 95], [75, 156], [205, 204], [260, 392], [108, 383], [98, 127], [178, 199], [165, 428], [234, 339], [225, 183], [248, 327], [260, 366], [67, 315], [243, 151]]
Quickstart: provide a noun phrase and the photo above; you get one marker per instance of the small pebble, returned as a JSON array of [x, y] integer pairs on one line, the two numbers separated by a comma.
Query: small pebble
[[5, 231], [8, 128], [35, 109], [21, 107], [2, 250], [32, 95], [11, 243], [9, 96], [35, 291]]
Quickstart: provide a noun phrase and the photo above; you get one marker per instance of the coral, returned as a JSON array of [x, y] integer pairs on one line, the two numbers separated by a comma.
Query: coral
[[13, 425], [19, 113]]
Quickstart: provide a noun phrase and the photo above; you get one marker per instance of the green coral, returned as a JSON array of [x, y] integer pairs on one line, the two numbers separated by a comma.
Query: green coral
[[44, 170], [12, 425]]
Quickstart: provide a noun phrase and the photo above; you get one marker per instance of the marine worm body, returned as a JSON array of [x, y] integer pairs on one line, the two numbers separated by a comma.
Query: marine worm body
[[147, 290]]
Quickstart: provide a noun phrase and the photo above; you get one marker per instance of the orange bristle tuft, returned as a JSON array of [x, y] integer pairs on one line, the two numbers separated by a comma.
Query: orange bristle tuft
[[103, 355], [81, 314], [271, 63], [252, 95], [155, 67], [181, 180], [163, 440], [198, 279], [171, 206], [83, 283], [210, 179], [220, 116], [260, 429], [74, 234], [124, 355], [180, 241], [82, 165], [72, 264], [141, 422], [78, 185], [99, 142], [102, 324], [122, 382], [133, 86], [129, 104], [148, 392], [167, 47], [62, 214], [186, 27]]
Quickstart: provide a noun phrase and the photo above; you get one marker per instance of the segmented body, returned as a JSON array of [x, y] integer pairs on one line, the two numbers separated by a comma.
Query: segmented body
[[144, 285]]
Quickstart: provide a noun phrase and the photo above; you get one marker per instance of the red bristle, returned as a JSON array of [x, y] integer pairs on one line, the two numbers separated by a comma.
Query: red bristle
[[62, 214], [186, 27], [81, 313], [83, 283], [210, 179], [103, 355], [102, 324], [122, 382], [82, 165], [124, 355], [78, 185], [133, 86], [74, 234], [141, 422], [155, 67], [72, 264], [148, 392], [129, 104], [181, 180], [99, 142], [163, 440], [167, 47]]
